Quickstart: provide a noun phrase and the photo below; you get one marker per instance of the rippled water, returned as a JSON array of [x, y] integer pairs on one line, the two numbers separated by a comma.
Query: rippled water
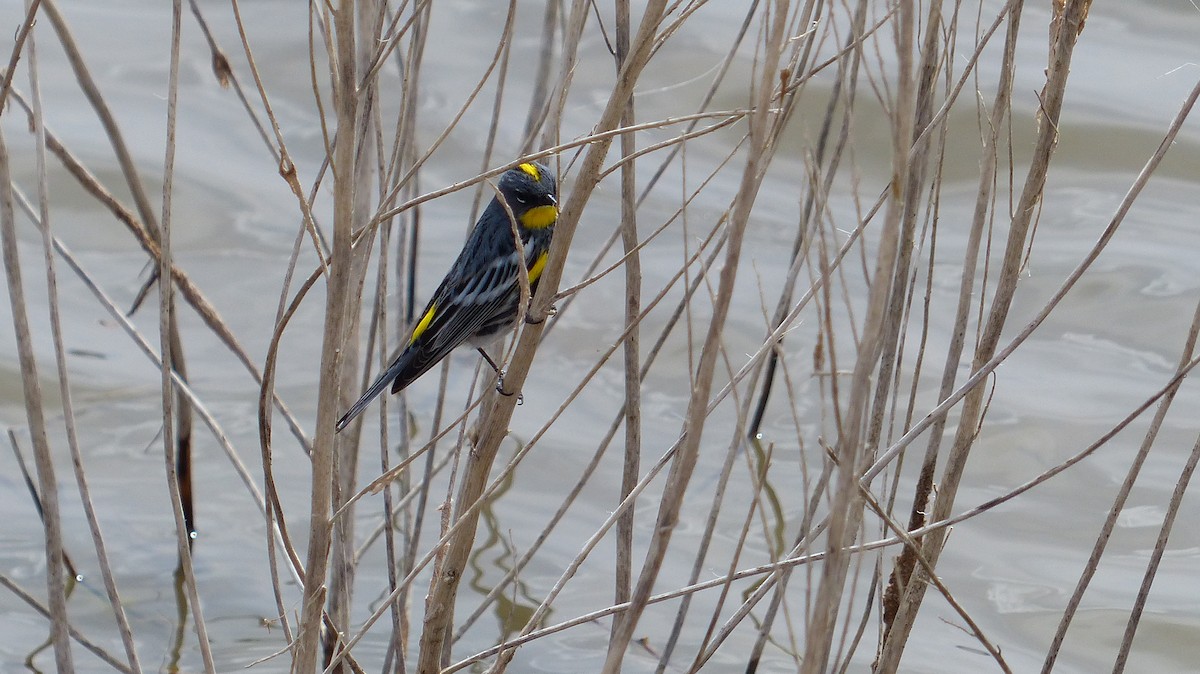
[[1113, 341]]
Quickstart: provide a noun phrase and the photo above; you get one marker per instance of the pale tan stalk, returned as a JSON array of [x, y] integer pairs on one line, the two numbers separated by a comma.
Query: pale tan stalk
[[32, 389], [92, 92], [227, 77], [22, 34], [1156, 557], [444, 586], [632, 355], [183, 417], [993, 123], [368, 23], [1063, 43], [333, 340], [1114, 511], [846, 505], [168, 346], [43, 217], [1185, 363], [761, 125]]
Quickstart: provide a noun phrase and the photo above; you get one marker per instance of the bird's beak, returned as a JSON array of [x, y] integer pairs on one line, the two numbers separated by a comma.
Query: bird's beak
[[553, 200]]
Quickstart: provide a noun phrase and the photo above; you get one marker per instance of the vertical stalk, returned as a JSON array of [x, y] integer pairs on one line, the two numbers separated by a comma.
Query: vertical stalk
[[439, 606], [684, 462], [176, 437], [1065, 31], [72, 437], [337, 301], [633, 295], [346, 445], [847, 504], [31, 386], [906, 562]]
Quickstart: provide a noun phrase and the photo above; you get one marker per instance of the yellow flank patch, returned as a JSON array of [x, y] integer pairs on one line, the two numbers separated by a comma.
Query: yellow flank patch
[[424, 324], [539, 217], [532, 171], [535, 272]]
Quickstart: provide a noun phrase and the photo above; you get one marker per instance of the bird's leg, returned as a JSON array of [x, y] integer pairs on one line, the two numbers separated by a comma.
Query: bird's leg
[[495, 368], [499, 375]]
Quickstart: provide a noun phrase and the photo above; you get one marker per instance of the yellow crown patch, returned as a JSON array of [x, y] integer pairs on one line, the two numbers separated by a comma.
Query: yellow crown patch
[[532, 171]]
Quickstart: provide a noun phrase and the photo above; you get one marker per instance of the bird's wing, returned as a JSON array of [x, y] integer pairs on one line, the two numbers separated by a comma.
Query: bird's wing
[[460, 306], [470, 302]]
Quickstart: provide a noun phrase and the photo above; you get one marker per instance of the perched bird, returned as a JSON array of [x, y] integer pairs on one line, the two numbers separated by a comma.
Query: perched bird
[[478, 300]]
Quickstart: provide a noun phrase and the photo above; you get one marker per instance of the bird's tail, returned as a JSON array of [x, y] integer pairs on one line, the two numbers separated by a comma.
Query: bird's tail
[[411, 364], [375, 389]]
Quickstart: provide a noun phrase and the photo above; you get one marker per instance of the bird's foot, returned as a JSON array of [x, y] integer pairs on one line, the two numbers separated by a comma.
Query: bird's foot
[[505, 392], [531, 319]]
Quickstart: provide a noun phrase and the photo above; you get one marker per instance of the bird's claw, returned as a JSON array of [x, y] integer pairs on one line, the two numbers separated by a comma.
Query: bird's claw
[[504, 392], [550, 311]]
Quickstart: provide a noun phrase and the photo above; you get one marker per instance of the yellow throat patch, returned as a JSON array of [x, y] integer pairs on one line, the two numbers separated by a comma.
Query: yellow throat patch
[[539, 217]]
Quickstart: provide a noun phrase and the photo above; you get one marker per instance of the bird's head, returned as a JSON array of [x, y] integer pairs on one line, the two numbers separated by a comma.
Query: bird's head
[[532, 193]]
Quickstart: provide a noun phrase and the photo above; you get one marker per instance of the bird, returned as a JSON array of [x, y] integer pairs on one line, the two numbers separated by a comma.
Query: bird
[[477, 302]]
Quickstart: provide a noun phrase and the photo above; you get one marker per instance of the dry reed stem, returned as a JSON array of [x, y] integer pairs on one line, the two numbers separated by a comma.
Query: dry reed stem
[[985, 350], [684, 461], [444, 585], [1160, 546], [988, 161], [227, 77], [931, 576], [72, 436], [379, 331], [31, 388], [539, 101], [22, 34], [758, 477], [169, 348], [900, 300], [632, 355], [404, 168], [846, 504], [735, 446], [91, 91], [799, 249], [814, 205], [367, 23], [1168, 393], [112, 131], [336, 319], [287, 167]]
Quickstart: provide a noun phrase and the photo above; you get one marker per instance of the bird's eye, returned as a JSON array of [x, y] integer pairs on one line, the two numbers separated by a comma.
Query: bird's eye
[[520, 200]]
